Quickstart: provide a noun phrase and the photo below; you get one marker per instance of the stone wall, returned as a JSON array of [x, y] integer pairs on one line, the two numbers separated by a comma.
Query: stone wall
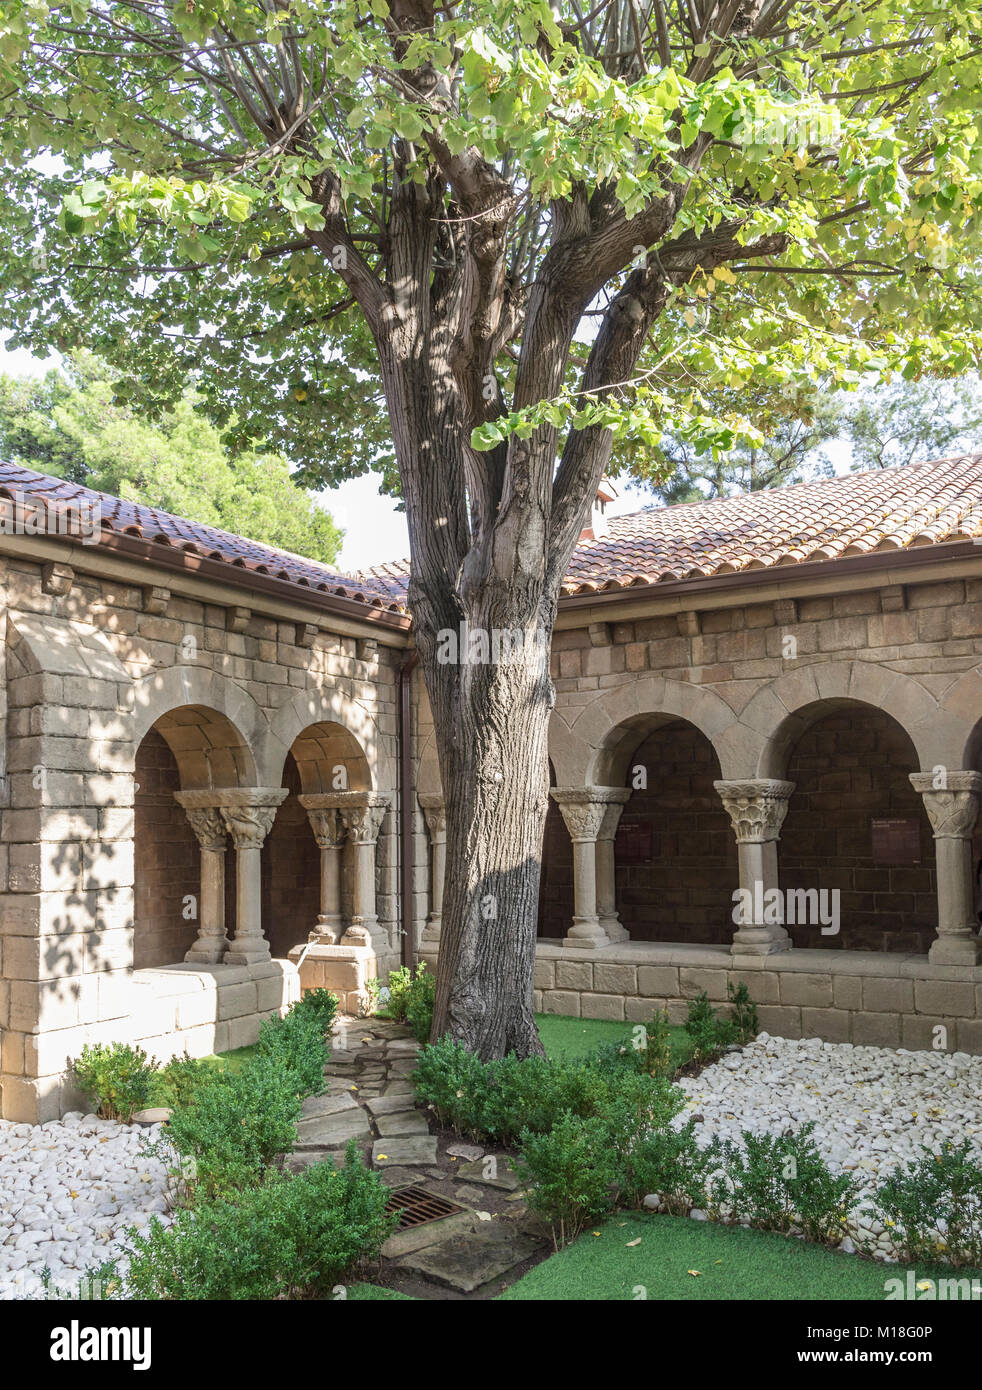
[[100, 670], [862, 997]]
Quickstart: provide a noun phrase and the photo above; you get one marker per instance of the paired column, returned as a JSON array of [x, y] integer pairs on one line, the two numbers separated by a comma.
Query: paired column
[[953, 810], [362, 814], [325, 822], [435, 814], [591, 815], [208, 826], [757, 807], [246, 814]]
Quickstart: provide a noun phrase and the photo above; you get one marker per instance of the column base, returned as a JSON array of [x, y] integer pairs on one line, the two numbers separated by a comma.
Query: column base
[[614, 930], [587, 934], [955, 950], [327, 930], [209, 951], [247, 953], [361, 932], [760, 941]]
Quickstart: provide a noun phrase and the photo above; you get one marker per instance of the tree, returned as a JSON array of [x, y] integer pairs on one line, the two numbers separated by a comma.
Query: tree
[[527, 228], [73, 426], [786, 445], [905, 421]]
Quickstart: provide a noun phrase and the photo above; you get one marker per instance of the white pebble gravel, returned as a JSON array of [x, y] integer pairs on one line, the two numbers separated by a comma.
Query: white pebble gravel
[[69, 1189], [873, 1108]]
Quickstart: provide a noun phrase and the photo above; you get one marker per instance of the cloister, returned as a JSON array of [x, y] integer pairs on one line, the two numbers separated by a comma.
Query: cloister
[[220, 784]]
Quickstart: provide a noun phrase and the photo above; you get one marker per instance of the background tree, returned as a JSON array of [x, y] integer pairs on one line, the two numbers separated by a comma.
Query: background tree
[[895, 424], [73, 425], [507, 220]]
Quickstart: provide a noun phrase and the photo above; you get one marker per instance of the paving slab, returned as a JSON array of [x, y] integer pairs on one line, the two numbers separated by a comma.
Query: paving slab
[[390, 1105], [412, 1122], [432, 1233], [398, 1087], [398, 1177], [327, 1131], [470, 1152], [411, 1150], [473, 1258], [404, 1045], [503, 1178], [329, 1105]]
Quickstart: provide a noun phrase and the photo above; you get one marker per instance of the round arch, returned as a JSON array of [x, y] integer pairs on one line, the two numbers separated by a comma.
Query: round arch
[[209, 723], [784, 709], [590, 752], [315, 709]]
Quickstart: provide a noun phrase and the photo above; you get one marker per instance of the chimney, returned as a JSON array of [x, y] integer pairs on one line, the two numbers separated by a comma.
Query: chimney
[[598, 527]]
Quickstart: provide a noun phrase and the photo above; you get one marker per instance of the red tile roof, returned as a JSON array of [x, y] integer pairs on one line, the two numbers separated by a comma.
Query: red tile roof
[[888, 509], [208, 542]]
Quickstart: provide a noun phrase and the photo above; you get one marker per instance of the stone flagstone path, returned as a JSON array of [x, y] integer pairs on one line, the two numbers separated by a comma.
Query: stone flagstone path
[[368, 1097]]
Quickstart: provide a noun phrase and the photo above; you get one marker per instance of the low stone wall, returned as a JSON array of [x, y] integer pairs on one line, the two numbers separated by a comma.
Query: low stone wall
[[202, 1009], [865, 997]]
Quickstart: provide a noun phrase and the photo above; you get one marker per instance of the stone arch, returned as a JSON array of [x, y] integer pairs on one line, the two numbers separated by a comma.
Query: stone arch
[[591, 751], [326, 722], [962, 705], [211, 725], [781, 712]]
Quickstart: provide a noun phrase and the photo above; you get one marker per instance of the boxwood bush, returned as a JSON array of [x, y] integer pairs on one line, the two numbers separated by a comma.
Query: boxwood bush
[[289, 1236]]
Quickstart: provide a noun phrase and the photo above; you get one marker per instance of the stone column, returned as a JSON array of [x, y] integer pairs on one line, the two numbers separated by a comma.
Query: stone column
[[757, 808], [208, 826], [329, 833], [583, 815], [615, 799], [436, 823], [248, 815], [362, 814], [953, 811]]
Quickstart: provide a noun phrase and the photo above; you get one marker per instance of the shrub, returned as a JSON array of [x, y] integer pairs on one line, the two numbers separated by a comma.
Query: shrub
[[744, 1012], [118, 1078], [177, 1084], [237, 1125], [294, 1236], [456, 1083], [408, 998], [670, 1163], [296, 1045], [933, 1206], [781, 1181], [571, 1173], [709, 1032], [322, 1004]]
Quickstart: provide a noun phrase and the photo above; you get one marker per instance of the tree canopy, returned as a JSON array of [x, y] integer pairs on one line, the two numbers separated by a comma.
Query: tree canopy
[[71, 425], [220, 183]]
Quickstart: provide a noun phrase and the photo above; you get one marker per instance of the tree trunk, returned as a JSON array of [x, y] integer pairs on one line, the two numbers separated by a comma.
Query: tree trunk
[[491, 722]]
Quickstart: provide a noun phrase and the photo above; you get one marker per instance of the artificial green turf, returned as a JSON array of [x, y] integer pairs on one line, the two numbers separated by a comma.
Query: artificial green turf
[[732, 1263], [361, 1293], [573, 1037]]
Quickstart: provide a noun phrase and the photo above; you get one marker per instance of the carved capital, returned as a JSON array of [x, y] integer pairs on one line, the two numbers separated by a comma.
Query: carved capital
[[953, 808], [434, 813], [363, 819], [248, 825], [756, 807], [327, 827], [208, 826]]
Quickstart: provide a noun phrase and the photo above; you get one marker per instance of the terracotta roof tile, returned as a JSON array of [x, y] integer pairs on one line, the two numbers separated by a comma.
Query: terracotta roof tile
[[887, 509], [207, 542]]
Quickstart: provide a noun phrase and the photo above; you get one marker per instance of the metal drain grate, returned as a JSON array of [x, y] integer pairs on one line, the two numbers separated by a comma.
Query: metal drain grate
[[415, 1207]]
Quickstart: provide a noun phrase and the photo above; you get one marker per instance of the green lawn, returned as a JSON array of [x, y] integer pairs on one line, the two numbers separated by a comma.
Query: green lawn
[[732, 1263], [572, 1037]]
